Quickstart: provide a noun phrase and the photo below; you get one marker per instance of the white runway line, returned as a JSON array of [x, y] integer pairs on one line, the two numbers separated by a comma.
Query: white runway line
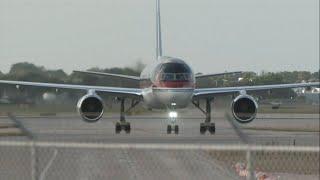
[[162, 146], [50, 162]]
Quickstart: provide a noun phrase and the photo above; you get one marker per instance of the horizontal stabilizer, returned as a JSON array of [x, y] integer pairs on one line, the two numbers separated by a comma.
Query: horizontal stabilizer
[[136, 78], [218, 74]]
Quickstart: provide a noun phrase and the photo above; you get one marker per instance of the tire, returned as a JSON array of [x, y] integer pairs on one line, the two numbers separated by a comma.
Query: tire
[[176, 129], [203, 128], [118, 128], [169, 129], [127, 128], [212, 128]]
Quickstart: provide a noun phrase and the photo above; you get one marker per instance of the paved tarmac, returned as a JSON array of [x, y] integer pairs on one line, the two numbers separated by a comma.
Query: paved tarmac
[[124, 163], [301, 129]]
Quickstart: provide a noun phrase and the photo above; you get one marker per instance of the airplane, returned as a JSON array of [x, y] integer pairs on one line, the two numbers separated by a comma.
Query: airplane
[[167, 84]]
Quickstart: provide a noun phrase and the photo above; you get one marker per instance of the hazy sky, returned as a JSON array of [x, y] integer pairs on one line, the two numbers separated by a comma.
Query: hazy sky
[[211, 35]]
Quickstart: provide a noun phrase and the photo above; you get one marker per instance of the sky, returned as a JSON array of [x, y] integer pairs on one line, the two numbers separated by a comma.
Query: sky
[[211, 35]]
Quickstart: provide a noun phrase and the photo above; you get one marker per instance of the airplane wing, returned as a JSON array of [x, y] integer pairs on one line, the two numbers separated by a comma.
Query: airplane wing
[[136, 78], [207, 92], [122, 92], [199, 76]]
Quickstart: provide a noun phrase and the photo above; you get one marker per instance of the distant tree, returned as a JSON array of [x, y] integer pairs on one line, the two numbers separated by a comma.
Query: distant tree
[[1, 76], [21, 69], [95, 69], [268, 78], [117, 70], [139, 66], [25, 71], [315, 76], [125, 71], [57, 75], [303, 76], [247, 78]]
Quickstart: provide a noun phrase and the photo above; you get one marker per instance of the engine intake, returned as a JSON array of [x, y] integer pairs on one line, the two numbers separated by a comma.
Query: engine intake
[[90, 107], [244, 108]]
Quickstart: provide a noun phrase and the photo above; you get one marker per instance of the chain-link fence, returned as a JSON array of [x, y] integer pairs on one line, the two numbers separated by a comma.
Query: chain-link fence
[[58, 160]]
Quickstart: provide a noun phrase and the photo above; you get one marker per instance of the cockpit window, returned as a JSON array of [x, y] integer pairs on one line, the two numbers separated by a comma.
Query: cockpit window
[[175, 77], [174, 72], [175, 68]]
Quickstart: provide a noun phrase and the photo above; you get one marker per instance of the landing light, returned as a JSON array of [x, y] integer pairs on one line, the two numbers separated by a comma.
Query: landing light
[[173, 114]]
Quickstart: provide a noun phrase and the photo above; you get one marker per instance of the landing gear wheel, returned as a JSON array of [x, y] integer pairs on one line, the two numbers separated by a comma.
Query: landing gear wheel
[[203, 128], [127, 128], [176, 129], [212, 128], [207, 125], [118, 128], [123, 126], [169, 129]]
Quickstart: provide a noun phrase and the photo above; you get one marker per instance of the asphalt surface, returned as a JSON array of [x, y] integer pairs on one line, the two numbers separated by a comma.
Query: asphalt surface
[[124, 163], [301, 129]]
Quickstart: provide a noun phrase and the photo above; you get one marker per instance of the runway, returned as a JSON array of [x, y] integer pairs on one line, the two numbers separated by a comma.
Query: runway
[[130, 163], [301, 129]]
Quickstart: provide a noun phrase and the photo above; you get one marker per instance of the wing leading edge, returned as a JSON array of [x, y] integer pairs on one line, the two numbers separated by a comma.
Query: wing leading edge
[[228, 90], [132, 92]]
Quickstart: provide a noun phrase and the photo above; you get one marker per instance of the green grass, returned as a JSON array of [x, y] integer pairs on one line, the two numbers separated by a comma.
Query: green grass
[[7, 125], [11, 132]]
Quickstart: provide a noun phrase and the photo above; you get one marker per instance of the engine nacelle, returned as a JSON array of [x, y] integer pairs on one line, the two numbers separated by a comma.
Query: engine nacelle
[[244, 108], [90, 107]]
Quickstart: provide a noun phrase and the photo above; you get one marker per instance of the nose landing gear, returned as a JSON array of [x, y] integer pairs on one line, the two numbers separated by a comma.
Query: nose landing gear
[[172, 126]]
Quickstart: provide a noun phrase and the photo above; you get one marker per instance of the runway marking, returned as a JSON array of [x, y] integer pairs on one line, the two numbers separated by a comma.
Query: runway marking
[[162, 146], [21, 126], [50, 162], [243, 137]]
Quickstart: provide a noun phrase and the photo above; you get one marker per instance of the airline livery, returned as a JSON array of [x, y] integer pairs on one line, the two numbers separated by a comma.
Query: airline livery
[[168, 83]]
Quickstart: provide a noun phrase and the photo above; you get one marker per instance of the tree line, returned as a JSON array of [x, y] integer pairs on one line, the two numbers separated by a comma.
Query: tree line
[[26, 71]]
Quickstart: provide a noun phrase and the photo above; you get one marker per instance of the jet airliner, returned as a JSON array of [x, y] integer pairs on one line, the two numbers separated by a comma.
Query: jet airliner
[[169, 83]]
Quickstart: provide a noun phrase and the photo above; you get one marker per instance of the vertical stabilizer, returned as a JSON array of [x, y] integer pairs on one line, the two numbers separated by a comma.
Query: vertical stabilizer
[[159, 38]]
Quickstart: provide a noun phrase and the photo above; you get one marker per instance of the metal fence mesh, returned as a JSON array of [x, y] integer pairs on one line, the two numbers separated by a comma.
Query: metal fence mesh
[[50, 160]]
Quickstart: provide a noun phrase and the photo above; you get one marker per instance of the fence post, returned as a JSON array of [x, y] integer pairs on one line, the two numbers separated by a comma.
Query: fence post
[[33, 161], [250, 170], [31, 137]]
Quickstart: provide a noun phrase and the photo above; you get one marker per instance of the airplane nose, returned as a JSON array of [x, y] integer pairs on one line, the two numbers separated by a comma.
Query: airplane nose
[[179, 98]]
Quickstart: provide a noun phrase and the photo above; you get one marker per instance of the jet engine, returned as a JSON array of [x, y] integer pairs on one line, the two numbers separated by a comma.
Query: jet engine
[[90, 107], [244, 108]]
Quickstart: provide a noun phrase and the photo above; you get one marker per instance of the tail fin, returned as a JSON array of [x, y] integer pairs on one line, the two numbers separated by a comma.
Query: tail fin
[[159, 38]]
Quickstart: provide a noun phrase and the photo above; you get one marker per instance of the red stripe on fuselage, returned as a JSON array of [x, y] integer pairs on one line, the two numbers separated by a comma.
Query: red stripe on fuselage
[[167, 84], [174, 84]]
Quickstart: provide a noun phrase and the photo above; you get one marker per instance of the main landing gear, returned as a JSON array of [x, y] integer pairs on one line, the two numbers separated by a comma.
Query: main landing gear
[[123, 124], [207, 125], [172, 126]]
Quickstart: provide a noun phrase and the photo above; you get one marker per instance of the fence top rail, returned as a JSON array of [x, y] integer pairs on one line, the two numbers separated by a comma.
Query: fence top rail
[[160, 146]]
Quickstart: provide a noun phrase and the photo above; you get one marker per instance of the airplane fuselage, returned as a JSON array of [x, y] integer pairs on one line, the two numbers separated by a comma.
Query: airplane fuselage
[[167, 84]]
